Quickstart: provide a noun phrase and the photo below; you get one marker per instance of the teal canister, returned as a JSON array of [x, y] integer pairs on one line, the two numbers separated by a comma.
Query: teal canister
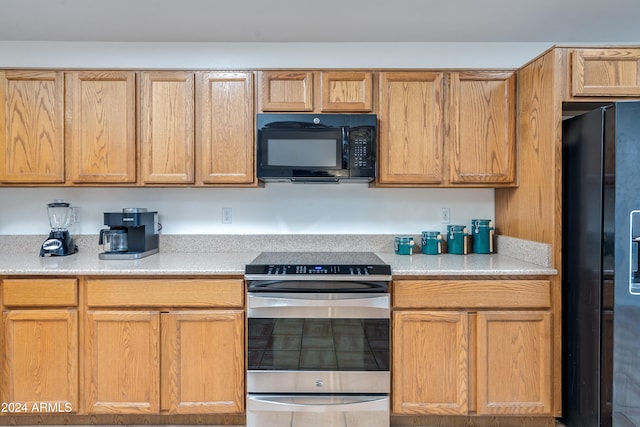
[[404, 245], [482, 232], [457, 239], [431, 242]]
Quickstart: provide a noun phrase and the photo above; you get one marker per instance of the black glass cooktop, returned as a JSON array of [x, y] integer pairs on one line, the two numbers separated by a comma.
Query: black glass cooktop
[[317, 264]]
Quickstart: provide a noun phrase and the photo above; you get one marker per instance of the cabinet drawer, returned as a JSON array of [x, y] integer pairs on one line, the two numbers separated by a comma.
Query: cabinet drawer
[[39, 292], [165, 292], [471, 293], [606, 72]]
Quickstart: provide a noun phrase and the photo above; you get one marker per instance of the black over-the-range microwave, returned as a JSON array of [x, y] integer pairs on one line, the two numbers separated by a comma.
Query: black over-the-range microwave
[[316, 147]]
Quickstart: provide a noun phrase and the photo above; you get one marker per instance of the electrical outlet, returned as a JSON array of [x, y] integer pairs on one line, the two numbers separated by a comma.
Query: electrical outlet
[[445, 215], [227, 215]]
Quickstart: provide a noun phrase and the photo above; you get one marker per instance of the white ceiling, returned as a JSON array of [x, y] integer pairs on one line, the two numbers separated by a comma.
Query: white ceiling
[[555, 21]]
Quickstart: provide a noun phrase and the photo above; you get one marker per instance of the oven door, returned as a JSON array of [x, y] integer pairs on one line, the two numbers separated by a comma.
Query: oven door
[[317, 411], [318, 343]]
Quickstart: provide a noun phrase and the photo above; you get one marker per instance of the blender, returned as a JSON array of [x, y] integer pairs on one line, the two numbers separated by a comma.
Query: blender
[[59, 242]]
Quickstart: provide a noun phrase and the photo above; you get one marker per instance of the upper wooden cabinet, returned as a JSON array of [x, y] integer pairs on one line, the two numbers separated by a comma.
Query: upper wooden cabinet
[[166, 128], [346, 91], [31, 127], [605, 72], [467, 140], [286, 90], [411, 128], [316, 91], [167, 133], [225, 130], [101, 123], [481, 127]]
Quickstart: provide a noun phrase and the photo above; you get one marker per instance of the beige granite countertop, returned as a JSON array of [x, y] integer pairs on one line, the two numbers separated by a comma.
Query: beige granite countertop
[[210, 256]]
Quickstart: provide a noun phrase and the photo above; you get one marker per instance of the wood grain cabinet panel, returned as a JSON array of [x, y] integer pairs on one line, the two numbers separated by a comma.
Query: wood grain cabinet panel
[[286, 91], [164, 346], [122, 362], [167, 120], [605, 72], [137, 293], [100, 126], [203, 362], [521, 341], [431, 362], [40, 360], [31, 126], [411, 128], [346, 91], [470, 360], [225, 128], [481, 127], [39, 292]]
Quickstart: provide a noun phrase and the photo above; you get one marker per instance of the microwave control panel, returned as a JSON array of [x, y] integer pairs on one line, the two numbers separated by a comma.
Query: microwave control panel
[[362, 145]]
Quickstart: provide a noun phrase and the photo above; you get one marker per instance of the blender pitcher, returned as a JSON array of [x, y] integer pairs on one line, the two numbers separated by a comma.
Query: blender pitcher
[[60, 215]]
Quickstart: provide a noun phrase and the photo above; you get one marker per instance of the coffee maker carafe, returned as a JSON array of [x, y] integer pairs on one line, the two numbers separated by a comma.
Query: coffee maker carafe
[[59, 242], [132, 234]]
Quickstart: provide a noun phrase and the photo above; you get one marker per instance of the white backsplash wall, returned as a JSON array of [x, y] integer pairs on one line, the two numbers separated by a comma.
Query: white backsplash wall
[[278, 208]]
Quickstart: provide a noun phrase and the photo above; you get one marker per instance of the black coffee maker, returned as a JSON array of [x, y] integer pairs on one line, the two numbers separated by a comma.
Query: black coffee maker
[[132, 234], [59, 242]]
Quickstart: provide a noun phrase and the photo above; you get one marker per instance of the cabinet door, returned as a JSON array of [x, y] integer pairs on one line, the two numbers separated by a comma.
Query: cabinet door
[[411, 134], [286, 91], [606, 72], [122, 362], [100, 132], [167, 135], [203, 362], [31, 126], [225, 131], [514, 363], [430, 362], [481, 127], [347, 91], [41, 359]]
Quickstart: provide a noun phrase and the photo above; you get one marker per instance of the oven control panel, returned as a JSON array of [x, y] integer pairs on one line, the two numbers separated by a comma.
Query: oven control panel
[[317, 269]]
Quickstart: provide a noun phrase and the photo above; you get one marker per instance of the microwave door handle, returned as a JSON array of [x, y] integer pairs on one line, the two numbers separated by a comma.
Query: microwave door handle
[[345, 147]]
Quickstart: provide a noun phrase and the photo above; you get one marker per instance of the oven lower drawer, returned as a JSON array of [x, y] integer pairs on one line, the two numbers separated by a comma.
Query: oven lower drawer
[[317, 411], [318, 382]]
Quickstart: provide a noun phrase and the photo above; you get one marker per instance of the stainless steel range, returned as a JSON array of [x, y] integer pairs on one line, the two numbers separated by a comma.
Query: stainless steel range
[[318, 340]]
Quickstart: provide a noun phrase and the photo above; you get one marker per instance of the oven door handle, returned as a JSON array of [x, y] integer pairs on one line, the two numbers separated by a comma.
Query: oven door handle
[[322, 305], [278, 403]]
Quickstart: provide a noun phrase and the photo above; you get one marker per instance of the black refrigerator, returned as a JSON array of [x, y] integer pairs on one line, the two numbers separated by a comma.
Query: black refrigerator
[[601, 283]]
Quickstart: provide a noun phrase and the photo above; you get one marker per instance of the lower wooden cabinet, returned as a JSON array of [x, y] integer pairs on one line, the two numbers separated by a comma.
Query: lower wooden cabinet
[[40, 346], [152, 360], [431, 362], [122, 362], [483, 357], [41, 361], [202, 362], [513, 373]]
